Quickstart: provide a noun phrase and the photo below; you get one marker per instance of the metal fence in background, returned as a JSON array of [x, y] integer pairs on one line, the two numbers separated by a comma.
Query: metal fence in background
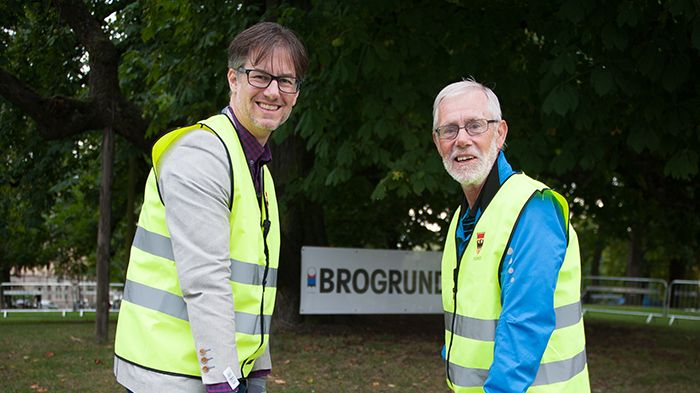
[[55, 297], [652, 298], [683, 300]]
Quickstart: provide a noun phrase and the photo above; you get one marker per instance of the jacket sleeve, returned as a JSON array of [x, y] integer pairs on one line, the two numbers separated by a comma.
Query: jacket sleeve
[[195, 186], [528, 279]]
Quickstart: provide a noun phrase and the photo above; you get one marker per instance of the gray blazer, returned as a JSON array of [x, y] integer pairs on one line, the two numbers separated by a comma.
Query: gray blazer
[[195, 185]]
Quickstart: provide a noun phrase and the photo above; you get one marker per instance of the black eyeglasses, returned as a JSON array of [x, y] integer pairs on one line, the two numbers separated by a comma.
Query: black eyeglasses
[[262, 80], [472, 127]]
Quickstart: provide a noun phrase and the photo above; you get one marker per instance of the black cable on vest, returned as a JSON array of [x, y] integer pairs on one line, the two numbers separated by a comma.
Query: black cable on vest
[[265, 226]]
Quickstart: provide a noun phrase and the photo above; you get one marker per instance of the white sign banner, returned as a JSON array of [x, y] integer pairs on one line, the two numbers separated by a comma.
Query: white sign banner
[[362, 281]]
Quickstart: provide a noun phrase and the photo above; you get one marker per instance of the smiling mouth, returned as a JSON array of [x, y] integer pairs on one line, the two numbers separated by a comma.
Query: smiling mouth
[[268, 107], [464, 158]]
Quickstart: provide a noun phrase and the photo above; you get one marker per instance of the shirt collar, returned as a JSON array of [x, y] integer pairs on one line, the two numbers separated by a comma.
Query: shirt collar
[[254, 152]]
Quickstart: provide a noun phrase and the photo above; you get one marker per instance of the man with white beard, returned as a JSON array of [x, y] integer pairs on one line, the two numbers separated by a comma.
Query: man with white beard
[[511, 269]]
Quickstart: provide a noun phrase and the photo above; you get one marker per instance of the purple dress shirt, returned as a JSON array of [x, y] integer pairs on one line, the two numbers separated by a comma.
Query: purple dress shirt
[[255, 155]]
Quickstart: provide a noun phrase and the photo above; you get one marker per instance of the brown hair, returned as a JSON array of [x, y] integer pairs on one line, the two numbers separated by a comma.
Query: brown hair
[[259, 40]]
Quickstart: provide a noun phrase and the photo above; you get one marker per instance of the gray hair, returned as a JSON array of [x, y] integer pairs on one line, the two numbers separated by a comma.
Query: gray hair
[[462, 87]]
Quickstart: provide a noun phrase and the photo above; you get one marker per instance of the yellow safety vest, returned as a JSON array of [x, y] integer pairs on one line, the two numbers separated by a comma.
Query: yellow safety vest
[[470, 328], [153, 329]]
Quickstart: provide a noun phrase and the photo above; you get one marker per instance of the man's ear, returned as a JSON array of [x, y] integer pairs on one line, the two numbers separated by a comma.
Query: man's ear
[[232, 77], [502, 133], [436, 140]]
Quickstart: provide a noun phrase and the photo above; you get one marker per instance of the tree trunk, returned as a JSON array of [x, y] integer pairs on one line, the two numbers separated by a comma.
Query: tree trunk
[[4, 277], [676, 269], [103, 238], [301, 221], [302, 225], [634, 258], [131, 202], [595, 262], [5, 273]]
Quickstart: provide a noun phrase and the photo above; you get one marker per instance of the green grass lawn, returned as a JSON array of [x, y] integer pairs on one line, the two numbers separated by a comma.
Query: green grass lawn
[[53, 354]]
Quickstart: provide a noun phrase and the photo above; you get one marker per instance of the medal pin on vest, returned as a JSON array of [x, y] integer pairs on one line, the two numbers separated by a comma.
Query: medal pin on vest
[[480, 241]]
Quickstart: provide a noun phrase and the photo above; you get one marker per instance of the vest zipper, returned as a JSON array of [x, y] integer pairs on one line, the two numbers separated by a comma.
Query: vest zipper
[[265, 226]]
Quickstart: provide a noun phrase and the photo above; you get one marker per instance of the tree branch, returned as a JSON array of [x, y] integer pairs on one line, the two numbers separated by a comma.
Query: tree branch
[[115, 110], [104, 10], [57, 117], [104, 57]]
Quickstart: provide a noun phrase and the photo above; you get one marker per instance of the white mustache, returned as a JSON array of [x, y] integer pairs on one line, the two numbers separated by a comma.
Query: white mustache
[[457, 152]]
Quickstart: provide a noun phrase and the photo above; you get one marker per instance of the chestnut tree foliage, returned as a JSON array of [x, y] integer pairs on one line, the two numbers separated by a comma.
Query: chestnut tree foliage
[[601, 100]]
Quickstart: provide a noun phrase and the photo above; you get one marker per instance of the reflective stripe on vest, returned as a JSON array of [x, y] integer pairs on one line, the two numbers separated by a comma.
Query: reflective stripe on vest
[[241, 272], [547, 374], [485, 329], [471, 322], [153, 329], [173, 305]]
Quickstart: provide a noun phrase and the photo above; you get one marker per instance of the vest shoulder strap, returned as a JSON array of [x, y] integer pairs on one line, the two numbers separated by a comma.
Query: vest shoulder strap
[[523, 186], [165, 142], [219, 125], [224, 129], [517, 190]]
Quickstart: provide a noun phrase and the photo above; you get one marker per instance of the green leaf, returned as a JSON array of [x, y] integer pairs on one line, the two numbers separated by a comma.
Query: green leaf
[[369, 62], [651, 62], [680, 8], [365, 130], [372, 108], [573, 11], [383, 128], [379, 191], [337, 176], [342, 73], [563, 162], [640, 138], [403, 99], [345, 154], [602, 81], [612, 36], [418, 182], [561, 100], [682, 165], [629, 15], [676, 73], [148, 32], [564, 62], [337, 42]]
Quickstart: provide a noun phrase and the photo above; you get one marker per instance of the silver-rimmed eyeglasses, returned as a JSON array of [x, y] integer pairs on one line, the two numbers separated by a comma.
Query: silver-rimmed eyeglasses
[[472, 127], [262, 80]]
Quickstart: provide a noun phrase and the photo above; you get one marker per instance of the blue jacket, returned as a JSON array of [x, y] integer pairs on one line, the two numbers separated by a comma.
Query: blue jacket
[[540, 240]]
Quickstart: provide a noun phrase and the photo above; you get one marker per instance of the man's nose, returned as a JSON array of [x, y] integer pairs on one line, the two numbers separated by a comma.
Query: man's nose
[[463, 138], [273, 89]]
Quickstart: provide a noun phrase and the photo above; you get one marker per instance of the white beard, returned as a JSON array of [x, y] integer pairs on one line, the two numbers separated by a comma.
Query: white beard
[[477, 173]]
